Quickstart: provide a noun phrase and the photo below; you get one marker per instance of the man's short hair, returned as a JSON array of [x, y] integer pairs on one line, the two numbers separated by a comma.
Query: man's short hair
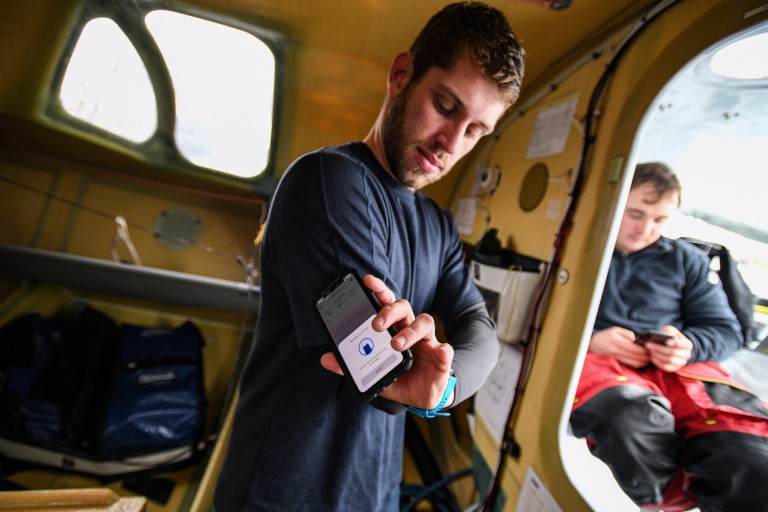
[[478, 32], [660, 176]]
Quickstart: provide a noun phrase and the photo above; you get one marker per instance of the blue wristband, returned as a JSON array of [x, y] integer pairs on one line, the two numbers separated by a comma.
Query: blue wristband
[[431, 413]]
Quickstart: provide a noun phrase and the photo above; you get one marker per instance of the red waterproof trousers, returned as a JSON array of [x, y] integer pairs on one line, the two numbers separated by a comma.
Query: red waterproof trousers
[[675, 441]]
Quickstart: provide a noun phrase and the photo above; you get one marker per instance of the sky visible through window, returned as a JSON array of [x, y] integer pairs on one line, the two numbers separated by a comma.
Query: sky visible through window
[[713, 132], [106, 84], [223, 80]]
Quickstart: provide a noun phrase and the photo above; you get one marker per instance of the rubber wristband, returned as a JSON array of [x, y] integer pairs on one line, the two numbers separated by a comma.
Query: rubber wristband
[[431, 413]]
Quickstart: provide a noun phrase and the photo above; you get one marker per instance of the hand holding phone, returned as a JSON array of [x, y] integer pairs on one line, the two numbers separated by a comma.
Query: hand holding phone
[[653, 336], [346, 309]]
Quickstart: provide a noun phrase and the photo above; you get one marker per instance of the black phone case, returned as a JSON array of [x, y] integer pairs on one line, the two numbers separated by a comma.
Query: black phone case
[[385, 380], [653, 337]]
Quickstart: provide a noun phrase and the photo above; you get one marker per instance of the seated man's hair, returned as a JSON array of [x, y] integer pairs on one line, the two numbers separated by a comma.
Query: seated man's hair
[[660, 176]]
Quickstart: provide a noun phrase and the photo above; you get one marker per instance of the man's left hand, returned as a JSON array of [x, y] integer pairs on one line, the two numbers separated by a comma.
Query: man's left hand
[[674, 353], [424, 384]]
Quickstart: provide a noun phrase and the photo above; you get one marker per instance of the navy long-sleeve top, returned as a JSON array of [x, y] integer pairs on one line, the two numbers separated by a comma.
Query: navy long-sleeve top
[[301, 441], [670, 283]]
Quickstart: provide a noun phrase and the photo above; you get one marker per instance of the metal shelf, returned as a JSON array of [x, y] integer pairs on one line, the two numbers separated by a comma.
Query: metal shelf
[[136, 281]]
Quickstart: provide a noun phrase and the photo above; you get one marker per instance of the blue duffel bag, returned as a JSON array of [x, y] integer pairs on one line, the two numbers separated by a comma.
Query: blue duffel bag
[[80, 393]]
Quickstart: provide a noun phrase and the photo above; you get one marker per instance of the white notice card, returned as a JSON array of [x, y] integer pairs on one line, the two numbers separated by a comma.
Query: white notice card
[[494, 400], [553, 125], [535, 497], [465, 215]]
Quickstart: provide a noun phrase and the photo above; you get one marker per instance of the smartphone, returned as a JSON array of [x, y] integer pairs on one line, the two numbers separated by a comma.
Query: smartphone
[[346, 309], [653, 337]]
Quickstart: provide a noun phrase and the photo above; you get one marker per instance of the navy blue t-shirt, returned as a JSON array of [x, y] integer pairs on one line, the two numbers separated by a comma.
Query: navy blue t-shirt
[[301, 440]]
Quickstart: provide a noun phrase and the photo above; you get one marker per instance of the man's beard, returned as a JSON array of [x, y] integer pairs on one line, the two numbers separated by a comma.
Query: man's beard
[[396, 147]]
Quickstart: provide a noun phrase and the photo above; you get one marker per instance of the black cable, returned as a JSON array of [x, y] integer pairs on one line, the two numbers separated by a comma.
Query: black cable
[[427, 490]]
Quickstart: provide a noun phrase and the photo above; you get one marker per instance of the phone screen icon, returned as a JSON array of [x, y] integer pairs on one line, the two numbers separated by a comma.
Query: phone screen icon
[[367, 354]]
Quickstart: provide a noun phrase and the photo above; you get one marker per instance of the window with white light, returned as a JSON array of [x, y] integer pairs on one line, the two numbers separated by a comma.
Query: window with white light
[[165, 77], [107, 85]]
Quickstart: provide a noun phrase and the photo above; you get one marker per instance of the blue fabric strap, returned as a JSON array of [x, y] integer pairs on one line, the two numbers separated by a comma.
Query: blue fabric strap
[[431, 413]]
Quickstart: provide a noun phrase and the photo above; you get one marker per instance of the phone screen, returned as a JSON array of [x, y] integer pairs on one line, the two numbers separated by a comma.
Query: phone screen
[[347, 309]]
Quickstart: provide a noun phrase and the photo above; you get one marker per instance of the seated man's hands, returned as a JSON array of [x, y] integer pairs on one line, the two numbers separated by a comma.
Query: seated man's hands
[[620, 343], [424, 384], [674, 353]]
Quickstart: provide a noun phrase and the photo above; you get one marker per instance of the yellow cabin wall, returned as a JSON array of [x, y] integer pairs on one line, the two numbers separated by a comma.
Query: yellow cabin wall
[[317, 108], [62, 193], [57, 205], [676, 37], [47, 170], [32, 33]]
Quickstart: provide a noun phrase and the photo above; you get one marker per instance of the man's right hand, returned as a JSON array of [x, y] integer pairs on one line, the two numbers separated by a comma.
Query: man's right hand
[[424, 384], [620, 343]]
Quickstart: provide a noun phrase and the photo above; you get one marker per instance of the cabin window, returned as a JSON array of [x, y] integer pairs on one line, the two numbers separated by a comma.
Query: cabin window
[[107, 85], [709, 125], [154, 78], [224, 84]]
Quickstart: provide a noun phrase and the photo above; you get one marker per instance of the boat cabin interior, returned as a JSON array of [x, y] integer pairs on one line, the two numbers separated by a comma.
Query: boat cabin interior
[[141, 142]]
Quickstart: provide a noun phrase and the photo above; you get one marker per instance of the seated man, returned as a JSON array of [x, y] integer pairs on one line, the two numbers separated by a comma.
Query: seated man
[[676, 431]]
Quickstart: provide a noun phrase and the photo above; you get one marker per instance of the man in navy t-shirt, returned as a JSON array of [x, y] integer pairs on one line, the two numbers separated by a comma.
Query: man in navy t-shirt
[[300, 439]]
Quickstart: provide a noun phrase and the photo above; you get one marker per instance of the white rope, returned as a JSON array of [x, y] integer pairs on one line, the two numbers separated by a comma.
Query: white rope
[[123, 236]]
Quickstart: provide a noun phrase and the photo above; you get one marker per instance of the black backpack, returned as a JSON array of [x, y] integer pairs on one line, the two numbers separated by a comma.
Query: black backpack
[[740, 298]]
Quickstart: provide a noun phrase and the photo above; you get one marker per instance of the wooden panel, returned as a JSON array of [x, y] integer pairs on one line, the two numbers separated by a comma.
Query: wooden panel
[[70, 499]]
